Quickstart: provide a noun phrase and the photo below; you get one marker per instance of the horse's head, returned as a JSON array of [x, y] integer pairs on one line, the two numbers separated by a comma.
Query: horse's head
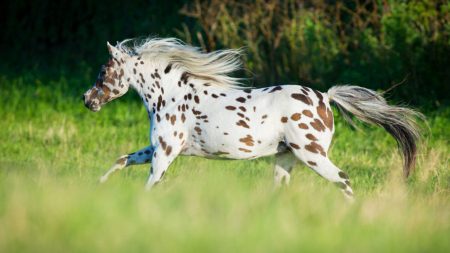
[[110, 83]]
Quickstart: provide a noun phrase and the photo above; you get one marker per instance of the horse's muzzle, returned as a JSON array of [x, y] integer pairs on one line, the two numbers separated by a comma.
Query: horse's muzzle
[[90, 105]]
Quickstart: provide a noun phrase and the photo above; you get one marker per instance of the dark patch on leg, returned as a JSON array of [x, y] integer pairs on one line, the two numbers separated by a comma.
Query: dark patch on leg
[[343, 175], [122, 161], [312, 163], [317, 124], [314, 147], [341, 185]]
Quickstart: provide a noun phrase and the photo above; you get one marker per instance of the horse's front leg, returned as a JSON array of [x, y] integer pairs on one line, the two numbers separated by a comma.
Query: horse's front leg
[[139, 157], [166, 150]]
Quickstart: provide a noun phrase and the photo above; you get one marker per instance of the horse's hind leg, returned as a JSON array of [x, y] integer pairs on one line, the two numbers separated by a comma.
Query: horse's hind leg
[[283, 166], [324, 167], [314, 155], [140, 157]]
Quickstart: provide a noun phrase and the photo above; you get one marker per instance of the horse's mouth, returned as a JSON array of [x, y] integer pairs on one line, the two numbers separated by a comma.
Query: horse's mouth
[[93, 107]]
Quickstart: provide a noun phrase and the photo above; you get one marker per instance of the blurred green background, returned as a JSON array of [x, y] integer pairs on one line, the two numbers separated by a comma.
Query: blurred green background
[[53, 150]]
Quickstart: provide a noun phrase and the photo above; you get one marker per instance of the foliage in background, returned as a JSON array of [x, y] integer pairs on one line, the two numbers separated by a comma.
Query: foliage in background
[[62, 36], [372, 43]]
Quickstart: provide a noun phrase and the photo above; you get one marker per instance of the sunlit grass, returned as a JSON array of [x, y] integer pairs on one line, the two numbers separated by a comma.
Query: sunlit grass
[[53, 150]]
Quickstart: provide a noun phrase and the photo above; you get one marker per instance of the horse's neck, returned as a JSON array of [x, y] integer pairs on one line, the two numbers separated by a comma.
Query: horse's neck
[[156, 83]]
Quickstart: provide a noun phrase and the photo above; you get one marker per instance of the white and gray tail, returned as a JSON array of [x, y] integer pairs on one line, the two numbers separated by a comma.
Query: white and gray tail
[[369, 106]]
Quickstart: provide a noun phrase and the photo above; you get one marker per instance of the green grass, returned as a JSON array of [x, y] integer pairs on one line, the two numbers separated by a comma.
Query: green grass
[[53, 150]]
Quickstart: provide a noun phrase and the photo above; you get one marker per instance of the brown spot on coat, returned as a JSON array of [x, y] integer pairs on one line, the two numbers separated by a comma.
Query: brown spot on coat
[[295, 116], [276, 88], [317, 124], [284, 119], [183, 118], [248, 140], [230, 107], [326, 115], [245, 150], [318, 94], [168, 68], [302, 98], [159, 103], [184, 77], [241, 99], [242, 124], [307, 113], [173, 118], [303, 126], [314, 147], [168, 150], [162, 142], [311, 137], [293, 145]]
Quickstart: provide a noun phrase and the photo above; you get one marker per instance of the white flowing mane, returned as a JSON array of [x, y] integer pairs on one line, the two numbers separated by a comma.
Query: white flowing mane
[[214, 66]]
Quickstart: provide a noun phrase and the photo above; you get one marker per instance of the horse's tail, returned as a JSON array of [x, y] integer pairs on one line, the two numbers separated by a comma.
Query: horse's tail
[[369, 106]]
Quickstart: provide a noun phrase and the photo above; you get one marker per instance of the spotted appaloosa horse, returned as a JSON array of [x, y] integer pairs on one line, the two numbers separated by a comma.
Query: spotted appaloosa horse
[[197, 108]]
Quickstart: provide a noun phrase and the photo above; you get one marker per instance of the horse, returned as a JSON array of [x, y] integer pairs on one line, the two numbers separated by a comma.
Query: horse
[[196, 107]]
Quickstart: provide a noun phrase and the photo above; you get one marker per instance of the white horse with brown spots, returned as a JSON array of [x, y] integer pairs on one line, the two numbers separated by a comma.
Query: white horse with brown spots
[[196, 108]]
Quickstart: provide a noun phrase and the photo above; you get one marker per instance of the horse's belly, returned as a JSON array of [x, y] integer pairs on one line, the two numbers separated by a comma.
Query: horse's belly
[[234, 147]]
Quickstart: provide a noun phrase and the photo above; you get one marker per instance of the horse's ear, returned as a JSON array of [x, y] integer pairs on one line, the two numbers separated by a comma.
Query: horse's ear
[[113, 51]]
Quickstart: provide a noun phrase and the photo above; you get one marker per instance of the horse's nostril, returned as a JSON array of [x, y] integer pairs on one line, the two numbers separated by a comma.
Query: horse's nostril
[[82, 97]]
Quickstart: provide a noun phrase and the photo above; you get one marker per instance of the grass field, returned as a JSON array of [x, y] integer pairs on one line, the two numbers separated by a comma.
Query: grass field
[[53, 150]]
